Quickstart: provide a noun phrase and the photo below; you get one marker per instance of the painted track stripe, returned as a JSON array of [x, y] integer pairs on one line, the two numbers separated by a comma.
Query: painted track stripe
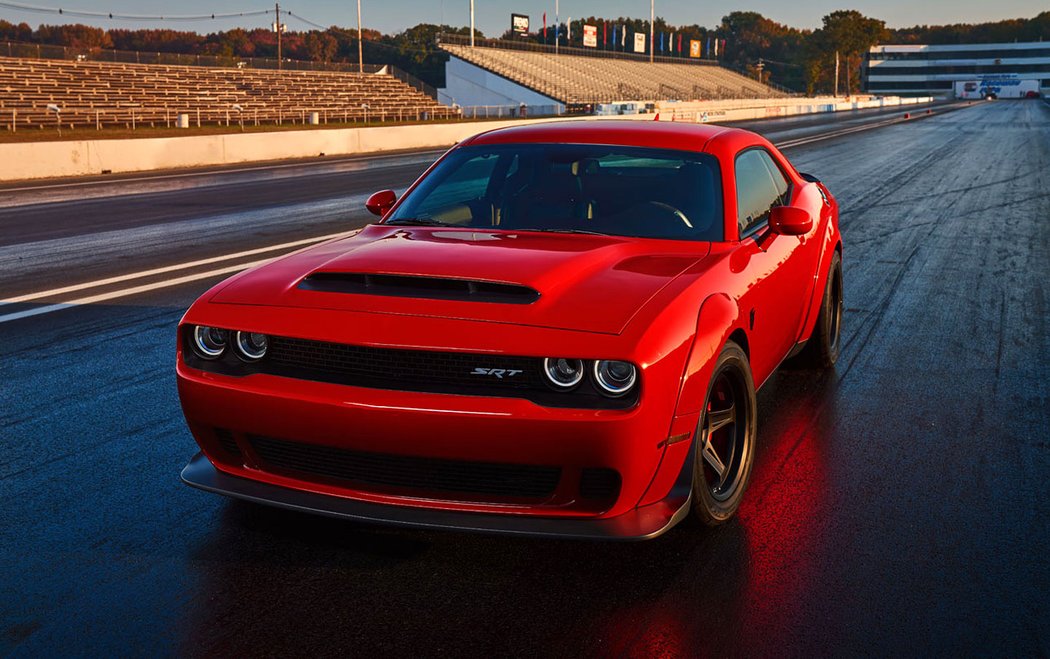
[[160, 271], [220, 172], [145, 288]]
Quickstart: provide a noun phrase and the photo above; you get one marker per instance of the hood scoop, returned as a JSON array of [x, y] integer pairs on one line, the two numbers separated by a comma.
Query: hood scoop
[[432, 288]]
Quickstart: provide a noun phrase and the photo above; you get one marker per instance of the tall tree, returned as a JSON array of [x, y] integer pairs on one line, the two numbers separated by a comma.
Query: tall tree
[[851, 34]]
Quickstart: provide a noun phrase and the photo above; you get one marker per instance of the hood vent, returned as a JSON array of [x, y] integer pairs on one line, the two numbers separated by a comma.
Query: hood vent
[[433, 288]]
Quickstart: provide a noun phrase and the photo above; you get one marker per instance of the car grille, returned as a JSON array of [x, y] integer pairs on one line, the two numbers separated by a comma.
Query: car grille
[[408, 472], [399, 369]]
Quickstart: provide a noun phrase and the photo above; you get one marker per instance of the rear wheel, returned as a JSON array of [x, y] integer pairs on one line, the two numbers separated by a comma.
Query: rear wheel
[[822, 349], [725, 439]]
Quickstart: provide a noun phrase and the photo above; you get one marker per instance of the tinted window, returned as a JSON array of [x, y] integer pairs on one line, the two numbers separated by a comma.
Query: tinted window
[[616, 190], [759, 187]]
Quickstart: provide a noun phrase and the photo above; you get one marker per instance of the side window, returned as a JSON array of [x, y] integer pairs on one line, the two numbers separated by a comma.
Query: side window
[[759, 187], [779, 180]]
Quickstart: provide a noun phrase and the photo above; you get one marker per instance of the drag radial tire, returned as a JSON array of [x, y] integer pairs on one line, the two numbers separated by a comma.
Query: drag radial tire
[[725, 439], [822, 349]]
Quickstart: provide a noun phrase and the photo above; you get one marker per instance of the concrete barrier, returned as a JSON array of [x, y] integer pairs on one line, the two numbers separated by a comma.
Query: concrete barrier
[[35, 160]]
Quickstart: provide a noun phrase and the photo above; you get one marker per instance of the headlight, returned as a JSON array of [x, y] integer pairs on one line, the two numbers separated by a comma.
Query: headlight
[[563, 373], [615, 378], [251, 346], [209, 342]]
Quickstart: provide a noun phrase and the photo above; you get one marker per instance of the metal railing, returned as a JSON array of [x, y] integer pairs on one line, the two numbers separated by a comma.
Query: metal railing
[[139, 118], [510, 111]]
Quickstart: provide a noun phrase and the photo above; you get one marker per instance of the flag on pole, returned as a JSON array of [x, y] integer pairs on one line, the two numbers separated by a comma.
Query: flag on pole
[[679, 44], [663, 38], [605, 35], [708, 51], [623, 37], [614, 37], [716, 47], [568, 29], [544, 27]]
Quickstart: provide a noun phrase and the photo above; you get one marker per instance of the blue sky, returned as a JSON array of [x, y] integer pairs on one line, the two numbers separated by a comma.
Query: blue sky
[[493, 16]]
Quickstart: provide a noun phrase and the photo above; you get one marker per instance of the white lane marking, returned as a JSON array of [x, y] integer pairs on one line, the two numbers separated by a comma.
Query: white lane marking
[[827, 136], [171, 268], [219, 172], [113, 295]]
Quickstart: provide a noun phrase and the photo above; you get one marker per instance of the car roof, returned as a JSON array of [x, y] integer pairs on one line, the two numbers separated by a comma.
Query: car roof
[[622, 132]]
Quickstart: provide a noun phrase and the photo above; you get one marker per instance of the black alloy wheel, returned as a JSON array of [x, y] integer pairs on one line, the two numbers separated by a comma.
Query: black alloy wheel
[[725, 439]]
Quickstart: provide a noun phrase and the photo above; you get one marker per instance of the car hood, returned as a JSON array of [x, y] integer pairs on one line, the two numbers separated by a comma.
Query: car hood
[[567, 281]]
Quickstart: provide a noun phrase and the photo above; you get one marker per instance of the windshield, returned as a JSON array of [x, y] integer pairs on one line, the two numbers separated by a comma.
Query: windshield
[[615, 190]]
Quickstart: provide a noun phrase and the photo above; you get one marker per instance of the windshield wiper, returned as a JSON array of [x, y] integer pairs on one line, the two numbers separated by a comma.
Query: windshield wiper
[[418, 222], [592, 233]]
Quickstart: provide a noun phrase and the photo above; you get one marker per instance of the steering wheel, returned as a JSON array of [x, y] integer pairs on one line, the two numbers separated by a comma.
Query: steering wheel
[[673, 211]]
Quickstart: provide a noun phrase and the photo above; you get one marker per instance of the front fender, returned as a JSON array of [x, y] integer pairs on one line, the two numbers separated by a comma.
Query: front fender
[[719, 317], [716, 321]]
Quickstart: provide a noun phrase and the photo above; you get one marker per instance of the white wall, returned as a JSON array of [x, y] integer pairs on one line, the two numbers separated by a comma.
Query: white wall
[[467, 85]]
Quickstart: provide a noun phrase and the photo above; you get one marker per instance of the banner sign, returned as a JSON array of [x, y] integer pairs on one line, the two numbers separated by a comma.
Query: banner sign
[[694, 48], [590, 36], [519, 24], [639, 42]]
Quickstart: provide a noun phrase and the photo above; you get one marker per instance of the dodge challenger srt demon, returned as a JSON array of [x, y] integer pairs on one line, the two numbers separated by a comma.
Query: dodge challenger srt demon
[[557, 330]]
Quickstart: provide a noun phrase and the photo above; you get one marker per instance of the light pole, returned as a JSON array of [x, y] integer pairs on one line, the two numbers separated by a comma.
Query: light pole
[[652, 29], [471, 23], [360, 46], [278, 28]]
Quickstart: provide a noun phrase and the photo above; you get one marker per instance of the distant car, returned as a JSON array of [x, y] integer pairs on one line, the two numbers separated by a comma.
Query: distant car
[[558, 330], [1032, 94]]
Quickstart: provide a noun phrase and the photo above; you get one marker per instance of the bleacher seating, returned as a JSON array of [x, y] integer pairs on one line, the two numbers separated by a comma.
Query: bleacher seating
[[104, 94], [579, 79]]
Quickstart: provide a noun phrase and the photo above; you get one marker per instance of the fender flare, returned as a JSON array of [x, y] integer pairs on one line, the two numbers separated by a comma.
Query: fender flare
[[717, 320], [832, 243]]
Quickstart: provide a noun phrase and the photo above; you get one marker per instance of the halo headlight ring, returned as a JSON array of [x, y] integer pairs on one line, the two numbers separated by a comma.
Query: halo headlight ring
[[209, 342], [562, 373], [615, 378], [251, 346]]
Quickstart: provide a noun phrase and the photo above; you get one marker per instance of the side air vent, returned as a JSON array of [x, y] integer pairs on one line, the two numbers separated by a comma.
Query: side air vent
[[433, 288]]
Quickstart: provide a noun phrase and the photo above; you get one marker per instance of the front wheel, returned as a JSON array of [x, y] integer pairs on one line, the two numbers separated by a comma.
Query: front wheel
[[725, 439]]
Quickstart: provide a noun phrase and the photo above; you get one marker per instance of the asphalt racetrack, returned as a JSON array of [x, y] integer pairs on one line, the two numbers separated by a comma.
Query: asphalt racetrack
[[898, 506]]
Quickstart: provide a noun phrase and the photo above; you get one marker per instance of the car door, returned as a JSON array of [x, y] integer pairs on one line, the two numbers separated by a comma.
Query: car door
[[772, 267]]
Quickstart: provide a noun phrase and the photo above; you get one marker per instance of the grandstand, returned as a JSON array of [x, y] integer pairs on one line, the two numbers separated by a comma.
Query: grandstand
[[579, 79], [101, 94]]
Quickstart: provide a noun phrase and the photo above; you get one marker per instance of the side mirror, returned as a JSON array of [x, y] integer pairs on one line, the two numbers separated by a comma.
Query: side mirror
[[790, 220], [380, 202]]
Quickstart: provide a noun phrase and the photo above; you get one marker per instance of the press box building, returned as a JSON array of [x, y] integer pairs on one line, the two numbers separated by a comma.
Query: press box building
[[1008, 70]]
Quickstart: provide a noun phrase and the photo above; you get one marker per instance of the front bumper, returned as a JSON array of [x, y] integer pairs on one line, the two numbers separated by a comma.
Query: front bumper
[[640, 523]]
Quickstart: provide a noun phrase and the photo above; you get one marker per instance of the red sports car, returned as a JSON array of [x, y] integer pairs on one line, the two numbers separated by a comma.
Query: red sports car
[[557, 330]]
